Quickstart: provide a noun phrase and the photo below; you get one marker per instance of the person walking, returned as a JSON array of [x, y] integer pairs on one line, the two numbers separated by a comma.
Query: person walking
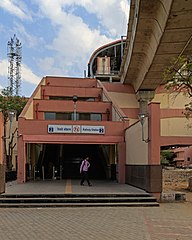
[[84, 171]]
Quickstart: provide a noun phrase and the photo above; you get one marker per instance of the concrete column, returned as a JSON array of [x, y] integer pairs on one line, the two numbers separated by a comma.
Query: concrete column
[[2, 160], [154, 134], [121, 162], [1, 137], [144, 97], [21, 176], [154, 171]]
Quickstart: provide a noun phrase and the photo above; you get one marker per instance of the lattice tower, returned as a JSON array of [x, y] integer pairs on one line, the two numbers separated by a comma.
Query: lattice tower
[[14, 69]]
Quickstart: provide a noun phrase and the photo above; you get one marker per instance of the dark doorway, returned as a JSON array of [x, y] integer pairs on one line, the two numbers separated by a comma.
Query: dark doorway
[[65, 159]]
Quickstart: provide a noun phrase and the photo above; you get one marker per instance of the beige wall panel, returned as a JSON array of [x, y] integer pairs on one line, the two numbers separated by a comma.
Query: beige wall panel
[[136, 149], [38, 94], [29, 112], [124, 100], [171, 100], [176, 127], [162, 98], [132, 121]]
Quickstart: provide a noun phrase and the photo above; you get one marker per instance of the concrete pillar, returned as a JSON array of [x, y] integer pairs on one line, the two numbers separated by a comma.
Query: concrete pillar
[[2, 178], [144, 97], [21, 176], [2, 157], [154, 171], [154, 134], [121, 162]]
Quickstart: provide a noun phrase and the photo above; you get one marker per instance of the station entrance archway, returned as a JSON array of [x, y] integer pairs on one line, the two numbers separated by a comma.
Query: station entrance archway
[[61, 161]]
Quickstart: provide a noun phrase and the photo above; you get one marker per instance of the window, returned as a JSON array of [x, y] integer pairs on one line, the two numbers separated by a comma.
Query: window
[[65, 98], [84, 116], [64, 116], [50, 116], [70, 116], [96, 117], [90, 116], [57, 116]]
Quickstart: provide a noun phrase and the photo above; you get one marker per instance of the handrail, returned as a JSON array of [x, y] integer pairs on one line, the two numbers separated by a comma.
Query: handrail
[[119, 112]]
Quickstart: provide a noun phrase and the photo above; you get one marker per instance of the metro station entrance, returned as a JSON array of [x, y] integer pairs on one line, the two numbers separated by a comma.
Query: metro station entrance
[[62, 161]]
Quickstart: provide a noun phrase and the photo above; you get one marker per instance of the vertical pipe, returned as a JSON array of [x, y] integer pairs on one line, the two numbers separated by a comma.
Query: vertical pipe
[[75, 111], [121, 47]]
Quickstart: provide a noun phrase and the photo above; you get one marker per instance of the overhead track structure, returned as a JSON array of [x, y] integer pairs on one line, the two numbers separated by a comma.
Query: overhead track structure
[[158, 32]]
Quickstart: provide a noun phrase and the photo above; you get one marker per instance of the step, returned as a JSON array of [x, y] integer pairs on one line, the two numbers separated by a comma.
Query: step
[[50, 205], [76, 200], [91, 195]]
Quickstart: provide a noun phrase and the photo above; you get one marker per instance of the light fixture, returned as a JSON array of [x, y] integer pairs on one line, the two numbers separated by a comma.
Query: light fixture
[[142, 117], [75, 98]]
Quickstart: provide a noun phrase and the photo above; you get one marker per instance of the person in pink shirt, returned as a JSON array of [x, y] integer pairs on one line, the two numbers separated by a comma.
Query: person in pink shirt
[[84, 168]]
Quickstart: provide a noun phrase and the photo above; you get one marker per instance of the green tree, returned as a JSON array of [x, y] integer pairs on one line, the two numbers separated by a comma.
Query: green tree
[[178, 77], [10, 103], [167, 157]]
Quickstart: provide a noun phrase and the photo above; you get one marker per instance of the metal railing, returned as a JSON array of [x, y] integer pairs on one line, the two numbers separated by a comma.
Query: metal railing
[[117, 111]]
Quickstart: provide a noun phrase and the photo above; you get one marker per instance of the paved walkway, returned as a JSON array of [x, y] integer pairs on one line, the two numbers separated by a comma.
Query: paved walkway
[[167, 222], [170, 221], [70, 186]]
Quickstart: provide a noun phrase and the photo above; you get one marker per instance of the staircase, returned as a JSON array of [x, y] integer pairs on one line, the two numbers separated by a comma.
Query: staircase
[[77, 200]]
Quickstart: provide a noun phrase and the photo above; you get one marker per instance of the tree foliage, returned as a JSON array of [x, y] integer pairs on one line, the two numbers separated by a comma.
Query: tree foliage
[[178, 77], [167, 157], [8, 102]]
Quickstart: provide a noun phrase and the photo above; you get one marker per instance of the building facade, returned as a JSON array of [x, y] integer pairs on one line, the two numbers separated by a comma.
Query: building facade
[[183, 158], [65, 120], [57, 130]]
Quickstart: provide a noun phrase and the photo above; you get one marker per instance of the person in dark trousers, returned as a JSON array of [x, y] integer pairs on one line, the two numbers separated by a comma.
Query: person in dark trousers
[[84, 171]]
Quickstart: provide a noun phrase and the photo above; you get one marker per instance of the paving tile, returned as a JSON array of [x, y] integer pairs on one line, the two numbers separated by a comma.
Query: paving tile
[[170, 221]]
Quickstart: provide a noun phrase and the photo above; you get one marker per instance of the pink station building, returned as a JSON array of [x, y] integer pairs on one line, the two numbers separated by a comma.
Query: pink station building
[[67, 119]]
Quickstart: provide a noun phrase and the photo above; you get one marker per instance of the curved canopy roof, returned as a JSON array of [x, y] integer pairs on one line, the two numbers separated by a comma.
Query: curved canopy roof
[[114, 50]]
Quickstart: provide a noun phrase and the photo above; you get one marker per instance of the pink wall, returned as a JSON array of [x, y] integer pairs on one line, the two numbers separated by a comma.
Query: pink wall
[[119, 87], [154, 134], [1, 137], [70, 91], [183, 156], [188, 156], [68, 106], [121, 162], [171, 113], [36, 131], [21, 177], [175, 140], [131, 112], [70, 82], [39, 127], [41, 106]]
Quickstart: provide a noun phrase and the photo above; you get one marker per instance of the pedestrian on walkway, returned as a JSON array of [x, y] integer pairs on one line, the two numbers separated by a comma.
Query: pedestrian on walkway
[[84, 168]]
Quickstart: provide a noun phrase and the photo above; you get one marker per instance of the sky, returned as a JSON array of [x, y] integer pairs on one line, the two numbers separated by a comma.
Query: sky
[[57, 37]]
